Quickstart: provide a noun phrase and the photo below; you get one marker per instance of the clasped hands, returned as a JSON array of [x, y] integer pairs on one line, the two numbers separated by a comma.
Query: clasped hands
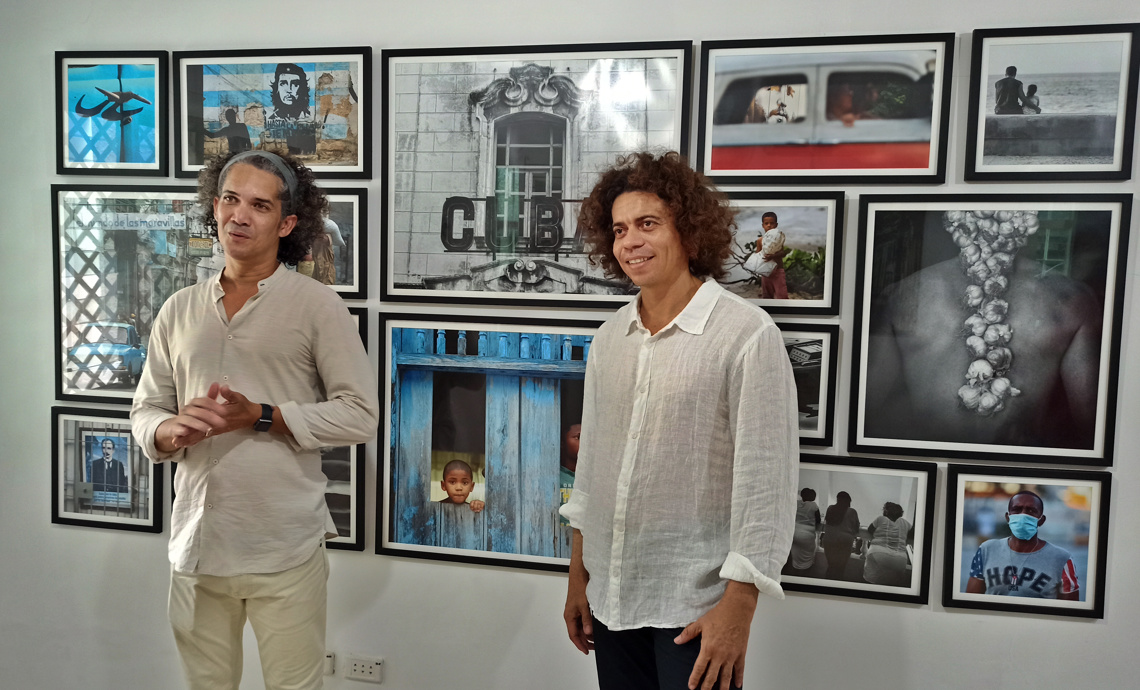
[[221, 410]]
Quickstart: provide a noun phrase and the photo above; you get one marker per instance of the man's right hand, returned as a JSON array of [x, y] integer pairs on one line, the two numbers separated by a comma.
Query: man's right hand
[[203, 417], [579, 620]]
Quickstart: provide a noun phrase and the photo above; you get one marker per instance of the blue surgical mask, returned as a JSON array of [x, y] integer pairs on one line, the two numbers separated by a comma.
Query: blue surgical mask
[[1023, 526]]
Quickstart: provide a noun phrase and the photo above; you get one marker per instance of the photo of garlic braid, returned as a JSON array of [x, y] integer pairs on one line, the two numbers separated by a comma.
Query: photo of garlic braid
[[988, 241]]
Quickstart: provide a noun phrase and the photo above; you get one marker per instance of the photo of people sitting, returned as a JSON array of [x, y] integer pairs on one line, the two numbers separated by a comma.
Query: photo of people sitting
[[854, 527]]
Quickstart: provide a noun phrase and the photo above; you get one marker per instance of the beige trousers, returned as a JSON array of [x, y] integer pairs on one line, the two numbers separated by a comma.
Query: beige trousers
[[285, 609]]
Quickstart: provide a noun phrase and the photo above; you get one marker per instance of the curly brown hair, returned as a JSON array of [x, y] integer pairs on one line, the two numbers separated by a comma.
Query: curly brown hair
[[701, 212], [310, 205]]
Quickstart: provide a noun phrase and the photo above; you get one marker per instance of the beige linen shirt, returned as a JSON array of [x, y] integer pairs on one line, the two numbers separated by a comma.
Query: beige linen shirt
[[688, 466], [249, 501]]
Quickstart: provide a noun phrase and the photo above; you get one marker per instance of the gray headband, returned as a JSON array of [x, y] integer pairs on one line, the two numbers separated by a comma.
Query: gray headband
[[279, 163]]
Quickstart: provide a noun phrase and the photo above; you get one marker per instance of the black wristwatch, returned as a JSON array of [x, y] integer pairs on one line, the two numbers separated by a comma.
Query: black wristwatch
[[266, 420]]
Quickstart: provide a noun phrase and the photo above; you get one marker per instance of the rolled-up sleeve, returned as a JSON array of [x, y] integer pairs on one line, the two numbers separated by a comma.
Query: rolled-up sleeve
[[156, 399], [350, 413], [764, 418]]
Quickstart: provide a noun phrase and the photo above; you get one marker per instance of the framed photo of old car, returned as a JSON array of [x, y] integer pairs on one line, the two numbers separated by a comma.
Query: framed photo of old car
[[111, 112], [100, 477], [313, 104], [1053, 103], [482, 444], [787, 251], [120, 252], [488, 153], [1027, 540], [988, 326], [813, 350], [872, 109], [864, 528]]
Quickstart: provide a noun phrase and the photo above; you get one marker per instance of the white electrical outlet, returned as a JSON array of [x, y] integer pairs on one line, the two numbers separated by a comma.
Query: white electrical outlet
[[368, 669]]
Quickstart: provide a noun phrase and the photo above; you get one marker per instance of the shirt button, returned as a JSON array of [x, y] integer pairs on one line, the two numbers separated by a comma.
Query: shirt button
[[209, 505], [633, 435], [225, 378], [230, 337], [215, 461]]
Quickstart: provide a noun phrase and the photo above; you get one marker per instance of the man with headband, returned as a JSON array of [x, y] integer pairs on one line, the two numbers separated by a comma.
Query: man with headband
[[249, 374]]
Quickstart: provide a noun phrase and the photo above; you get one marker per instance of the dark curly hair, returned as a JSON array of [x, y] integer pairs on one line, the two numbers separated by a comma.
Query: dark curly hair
[[892, 511], [311, 205], [701, 213]]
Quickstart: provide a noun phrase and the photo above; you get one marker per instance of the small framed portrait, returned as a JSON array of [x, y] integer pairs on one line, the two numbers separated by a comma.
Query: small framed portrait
[[787, 252], [813, 349], [100, 477], [988, 326], [863, 529], [111, 113], [1053, 103], [1029, 540], [340, 256], [482, 442], [489, 152], [810, 110], [313, 104]]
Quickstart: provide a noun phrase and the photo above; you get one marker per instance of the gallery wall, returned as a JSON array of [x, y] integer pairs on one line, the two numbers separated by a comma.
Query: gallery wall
[[84, 607]]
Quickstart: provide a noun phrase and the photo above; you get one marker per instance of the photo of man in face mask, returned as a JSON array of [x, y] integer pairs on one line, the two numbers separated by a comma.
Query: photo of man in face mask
[[1023, 564]]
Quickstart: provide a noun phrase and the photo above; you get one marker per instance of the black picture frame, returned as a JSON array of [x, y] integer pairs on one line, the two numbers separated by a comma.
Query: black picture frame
[[344, 468], [872, 571], [348, 212], [134, 96], [1078, 500], [78, 497], [926, 365], [450, 116], [1088, 85], [243, 81], [519, 390], [813, 349], [102, 315], [850, 132], [812, 224]]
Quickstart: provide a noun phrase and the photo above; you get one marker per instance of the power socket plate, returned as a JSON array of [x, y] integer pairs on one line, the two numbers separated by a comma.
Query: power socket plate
[[367, 669]]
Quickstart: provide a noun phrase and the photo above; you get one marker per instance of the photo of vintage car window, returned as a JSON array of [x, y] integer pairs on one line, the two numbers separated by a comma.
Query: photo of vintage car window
[[792, 113]]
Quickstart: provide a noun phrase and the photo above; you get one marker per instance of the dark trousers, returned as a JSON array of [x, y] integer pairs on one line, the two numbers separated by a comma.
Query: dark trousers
[[643, 659]]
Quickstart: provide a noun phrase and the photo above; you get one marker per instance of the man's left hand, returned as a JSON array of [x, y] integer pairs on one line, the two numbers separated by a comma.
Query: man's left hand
[[724, 638]]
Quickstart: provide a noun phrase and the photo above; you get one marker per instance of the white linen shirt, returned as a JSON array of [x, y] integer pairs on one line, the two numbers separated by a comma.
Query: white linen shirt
[[249, 501], [688, 464]]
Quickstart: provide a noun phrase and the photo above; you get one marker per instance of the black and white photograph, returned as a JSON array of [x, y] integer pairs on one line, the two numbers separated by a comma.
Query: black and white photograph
[[1053, 103], [111, 113], [343, 466], [490, 151], [786, 253], [815, 110], [863, 529], [813, 350], [100, 477], [988, 326], [1026, 540], [481, 447], [312, 104]]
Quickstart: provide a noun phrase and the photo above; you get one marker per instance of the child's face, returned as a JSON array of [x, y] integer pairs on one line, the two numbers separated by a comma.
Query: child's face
[[458, 485], [769, 223]]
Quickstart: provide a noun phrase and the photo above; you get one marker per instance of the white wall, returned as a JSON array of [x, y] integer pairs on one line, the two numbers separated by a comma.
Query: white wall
[[86, 608]]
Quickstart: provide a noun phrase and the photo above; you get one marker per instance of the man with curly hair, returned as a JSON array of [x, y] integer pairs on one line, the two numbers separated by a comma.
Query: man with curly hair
[[685, 491], [249, 374]]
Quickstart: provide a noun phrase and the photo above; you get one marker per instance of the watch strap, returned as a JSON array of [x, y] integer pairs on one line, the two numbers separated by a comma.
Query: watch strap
[[266, 421]]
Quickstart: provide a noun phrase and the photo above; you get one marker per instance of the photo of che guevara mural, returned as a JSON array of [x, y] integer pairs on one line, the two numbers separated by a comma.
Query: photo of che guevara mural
[[490, 155]]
